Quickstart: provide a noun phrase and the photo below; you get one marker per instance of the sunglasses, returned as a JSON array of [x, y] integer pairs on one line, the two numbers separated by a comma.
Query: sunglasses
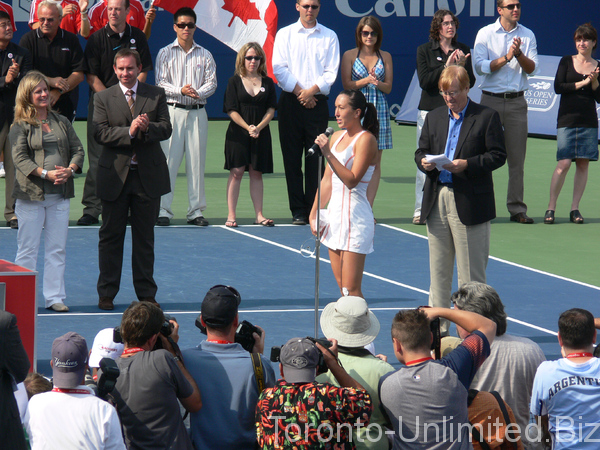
[[46, 19], [366, 34], [189, 25], [229, 288], [253, 58], [511, 7], [307, 7]]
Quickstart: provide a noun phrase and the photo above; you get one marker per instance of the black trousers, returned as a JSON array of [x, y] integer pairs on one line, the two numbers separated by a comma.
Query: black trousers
[[298, 128], [144, 212]]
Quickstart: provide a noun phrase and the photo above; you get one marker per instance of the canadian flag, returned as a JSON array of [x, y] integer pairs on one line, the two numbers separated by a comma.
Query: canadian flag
[[234, 22]]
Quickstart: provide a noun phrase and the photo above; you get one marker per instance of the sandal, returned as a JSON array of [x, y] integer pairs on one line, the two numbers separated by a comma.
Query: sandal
[[576, 216], [231, 224], [549, 217], [265, 223]]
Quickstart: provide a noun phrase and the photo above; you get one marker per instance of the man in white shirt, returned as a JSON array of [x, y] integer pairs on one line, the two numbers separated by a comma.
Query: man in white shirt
[[70, 416], [306, 58], [505, 54], [188, 74]]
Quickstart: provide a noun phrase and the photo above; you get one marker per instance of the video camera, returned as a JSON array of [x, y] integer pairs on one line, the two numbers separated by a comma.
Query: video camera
[[321, 366], [243, 333]]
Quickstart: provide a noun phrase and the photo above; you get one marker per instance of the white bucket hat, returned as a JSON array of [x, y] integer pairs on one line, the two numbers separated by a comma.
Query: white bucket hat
[[350, 322]]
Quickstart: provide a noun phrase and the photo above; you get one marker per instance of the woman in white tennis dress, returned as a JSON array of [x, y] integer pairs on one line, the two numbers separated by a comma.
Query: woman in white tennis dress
[[350, 226]]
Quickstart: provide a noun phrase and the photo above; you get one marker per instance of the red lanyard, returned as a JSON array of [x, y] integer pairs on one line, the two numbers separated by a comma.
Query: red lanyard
[[417, 361], [580, 355], [71, 391], [132, 350], [218, 341]]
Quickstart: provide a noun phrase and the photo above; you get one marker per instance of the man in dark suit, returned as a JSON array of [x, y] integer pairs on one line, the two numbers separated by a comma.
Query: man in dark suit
[[130, 120], [14, 365], [458, 198], [15, 62]]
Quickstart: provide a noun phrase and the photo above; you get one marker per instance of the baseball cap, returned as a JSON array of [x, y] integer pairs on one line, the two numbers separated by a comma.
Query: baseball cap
[[220, 306], [105, 347], [299, 358], [350, 322], [69, 357]]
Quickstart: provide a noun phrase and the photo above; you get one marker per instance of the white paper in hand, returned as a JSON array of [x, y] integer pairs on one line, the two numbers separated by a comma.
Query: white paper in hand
[[438, 160]]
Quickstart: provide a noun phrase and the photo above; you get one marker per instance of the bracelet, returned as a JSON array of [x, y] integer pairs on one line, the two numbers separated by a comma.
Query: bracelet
[[44, 174], [176, 358], [506, 59], [72, 171], [518, 54]]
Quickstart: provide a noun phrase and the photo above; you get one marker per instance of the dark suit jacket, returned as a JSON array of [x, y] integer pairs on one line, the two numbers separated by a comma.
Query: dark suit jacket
[[9, 91], [14, 364], [112, 119], [481, 143]]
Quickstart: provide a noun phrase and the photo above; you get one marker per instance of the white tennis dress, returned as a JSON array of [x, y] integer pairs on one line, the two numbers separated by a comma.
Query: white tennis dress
[[351, 225]]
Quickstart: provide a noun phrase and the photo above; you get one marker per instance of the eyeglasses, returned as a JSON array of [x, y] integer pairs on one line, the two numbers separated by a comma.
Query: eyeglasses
[[46, 19], [307, 7], [366, 34], [449, 24], [253, 58], [511, 7], [451, 94], [189, 25]]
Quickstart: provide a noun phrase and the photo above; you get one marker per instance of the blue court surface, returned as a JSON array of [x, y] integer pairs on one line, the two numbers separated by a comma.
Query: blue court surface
[[277, 283]]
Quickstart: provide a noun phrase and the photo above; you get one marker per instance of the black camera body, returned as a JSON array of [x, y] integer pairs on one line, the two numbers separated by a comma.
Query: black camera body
[[321, 365], [109, 372], [166, 329], [243, 333], [436, 344]]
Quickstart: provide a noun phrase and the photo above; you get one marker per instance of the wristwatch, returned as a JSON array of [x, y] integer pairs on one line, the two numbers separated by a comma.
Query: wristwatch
[[44, 174]]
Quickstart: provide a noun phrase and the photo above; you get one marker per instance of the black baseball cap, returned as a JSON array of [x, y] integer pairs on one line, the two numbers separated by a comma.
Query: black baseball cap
[[220, 306]]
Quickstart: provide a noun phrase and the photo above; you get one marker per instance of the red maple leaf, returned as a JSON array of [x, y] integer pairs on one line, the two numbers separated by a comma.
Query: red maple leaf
[[243, 9]]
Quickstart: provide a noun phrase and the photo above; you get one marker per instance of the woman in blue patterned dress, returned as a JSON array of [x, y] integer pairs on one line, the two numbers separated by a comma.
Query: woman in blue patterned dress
[[370, 70]]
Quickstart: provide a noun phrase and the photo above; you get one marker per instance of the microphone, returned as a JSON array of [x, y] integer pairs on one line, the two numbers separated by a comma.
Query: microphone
[[315, 148]]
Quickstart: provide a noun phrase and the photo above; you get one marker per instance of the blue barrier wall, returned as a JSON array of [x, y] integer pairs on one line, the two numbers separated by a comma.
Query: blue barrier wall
[[405, 24]]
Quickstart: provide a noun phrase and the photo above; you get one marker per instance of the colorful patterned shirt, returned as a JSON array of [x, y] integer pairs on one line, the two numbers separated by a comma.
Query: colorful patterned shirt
[[310, 416]]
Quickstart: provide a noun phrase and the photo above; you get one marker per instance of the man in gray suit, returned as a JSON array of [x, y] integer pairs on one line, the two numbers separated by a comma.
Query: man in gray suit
[[130, 120]]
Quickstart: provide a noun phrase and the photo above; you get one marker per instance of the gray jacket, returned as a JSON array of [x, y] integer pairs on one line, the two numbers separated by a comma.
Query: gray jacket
[[28, 155]]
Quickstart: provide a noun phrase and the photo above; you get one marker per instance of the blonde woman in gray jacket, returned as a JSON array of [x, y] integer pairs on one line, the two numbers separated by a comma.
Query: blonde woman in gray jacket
[[46, 154]]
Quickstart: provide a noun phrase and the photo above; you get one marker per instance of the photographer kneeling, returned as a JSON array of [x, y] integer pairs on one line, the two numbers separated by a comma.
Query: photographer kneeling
[[228, 367], [301, 413], [151, 382]]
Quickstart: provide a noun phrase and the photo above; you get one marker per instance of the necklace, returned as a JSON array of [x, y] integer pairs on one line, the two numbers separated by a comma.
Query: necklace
[[251, 80], [45, 121]]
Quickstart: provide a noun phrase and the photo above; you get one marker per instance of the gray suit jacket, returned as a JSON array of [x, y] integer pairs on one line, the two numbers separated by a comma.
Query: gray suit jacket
[[112, 119]]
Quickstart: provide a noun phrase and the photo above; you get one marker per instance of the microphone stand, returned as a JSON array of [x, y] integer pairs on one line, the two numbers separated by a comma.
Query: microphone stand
[[318, 243]]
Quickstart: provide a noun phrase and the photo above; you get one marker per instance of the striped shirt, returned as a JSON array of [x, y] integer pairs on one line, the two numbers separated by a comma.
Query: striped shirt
[[99, 16], [70, 22], [175, 68], [8, 10]]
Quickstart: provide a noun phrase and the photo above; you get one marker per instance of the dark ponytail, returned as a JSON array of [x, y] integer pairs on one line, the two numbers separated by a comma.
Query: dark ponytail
[[368, 112]]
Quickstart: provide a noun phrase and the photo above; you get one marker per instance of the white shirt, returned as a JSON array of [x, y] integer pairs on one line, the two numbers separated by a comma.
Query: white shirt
[[56, 420], [306, 56], [175, 68], [493, 42]]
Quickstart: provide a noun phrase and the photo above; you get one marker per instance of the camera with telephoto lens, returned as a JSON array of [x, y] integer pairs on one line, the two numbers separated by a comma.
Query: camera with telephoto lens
[[109, 372], [436, 344], [244, 337], [321, 365]]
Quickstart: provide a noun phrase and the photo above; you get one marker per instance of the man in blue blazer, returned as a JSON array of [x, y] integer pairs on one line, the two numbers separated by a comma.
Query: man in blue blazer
[[130, 120], [458, 197]]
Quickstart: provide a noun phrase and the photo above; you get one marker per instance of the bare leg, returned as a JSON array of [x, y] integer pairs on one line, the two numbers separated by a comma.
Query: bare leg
[[335, 257], [353, 265], [581, 176], [558, 179], [233, 191], [374, 183], [256, 193]]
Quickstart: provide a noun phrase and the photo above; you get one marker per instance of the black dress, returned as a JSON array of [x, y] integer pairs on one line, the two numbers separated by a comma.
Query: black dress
[[241, 150]]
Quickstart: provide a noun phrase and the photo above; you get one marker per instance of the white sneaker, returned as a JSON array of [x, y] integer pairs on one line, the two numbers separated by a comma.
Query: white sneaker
[[2, 171]]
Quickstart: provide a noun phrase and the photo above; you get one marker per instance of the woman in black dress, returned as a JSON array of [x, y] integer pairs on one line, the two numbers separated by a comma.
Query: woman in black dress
[[250, 102]]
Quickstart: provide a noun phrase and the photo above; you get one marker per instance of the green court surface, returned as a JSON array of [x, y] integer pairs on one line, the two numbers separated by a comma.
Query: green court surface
[[563, 249]]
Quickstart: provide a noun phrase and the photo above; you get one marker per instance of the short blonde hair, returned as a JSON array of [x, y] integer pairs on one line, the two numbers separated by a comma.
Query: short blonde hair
[[452, 73], [240, 65], [24, 109]]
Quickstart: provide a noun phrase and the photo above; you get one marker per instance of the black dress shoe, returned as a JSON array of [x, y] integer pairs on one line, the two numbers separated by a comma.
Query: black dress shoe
[[521, 218], [198, 221], [150, 300], [106, 303], [13, 223], [299, 219], [163, 222], [87, 219]]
